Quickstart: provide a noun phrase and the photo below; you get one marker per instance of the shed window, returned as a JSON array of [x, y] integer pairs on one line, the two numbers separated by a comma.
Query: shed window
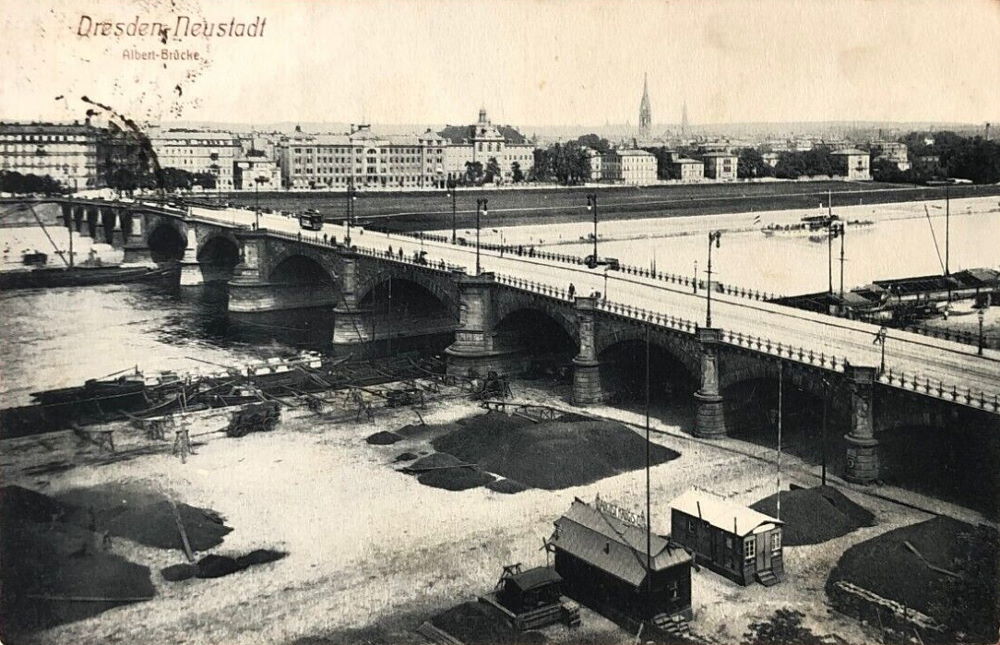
[[690, 526], [750, 548], [776, 541]]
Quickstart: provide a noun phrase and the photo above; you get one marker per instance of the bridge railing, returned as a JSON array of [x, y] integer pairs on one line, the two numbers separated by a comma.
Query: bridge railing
[[991, 341], [521, 250], [785, 351], [534, 287], [990, 402]]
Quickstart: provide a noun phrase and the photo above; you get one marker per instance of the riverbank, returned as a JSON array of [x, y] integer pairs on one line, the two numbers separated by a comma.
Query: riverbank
[[422, 211], [370, 546]]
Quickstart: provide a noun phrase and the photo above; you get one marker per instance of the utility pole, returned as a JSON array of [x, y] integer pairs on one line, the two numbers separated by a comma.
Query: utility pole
[[843, 234], [829, 240], [714, 236], [826, 404], [947, 229]]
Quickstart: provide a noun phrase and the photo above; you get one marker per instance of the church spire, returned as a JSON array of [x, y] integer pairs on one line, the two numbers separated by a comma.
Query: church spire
[[645, 111]]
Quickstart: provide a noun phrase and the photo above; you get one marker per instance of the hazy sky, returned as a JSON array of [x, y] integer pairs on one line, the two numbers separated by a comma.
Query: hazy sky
[[528, 61]]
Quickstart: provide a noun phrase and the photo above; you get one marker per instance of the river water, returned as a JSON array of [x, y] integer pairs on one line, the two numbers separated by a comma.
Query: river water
[[60, 337]]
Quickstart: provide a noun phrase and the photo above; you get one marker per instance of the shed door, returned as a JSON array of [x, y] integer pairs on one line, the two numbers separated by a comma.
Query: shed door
[[763, 559]]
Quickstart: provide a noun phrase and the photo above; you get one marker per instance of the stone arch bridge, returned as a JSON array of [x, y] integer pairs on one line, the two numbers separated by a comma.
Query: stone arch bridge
[[501, 323]]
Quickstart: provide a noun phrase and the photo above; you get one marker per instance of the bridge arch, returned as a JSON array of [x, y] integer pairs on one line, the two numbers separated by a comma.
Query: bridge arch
[[219, 250], [166, 242], [371, 286], [547, 339], [300, 269], [673, 369]]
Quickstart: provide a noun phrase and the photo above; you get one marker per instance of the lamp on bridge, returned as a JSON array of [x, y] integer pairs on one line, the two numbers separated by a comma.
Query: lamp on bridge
[[713, 237], [480, 208], [351, 197], [453, 193], [592, 206]]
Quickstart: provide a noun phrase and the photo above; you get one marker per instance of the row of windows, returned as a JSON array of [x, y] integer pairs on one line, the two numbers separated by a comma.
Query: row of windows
[[384, 150], [47, 137]]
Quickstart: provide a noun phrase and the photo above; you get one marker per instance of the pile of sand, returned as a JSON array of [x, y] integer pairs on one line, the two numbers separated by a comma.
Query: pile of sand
[[476, 623], [128, 511], [216, 566], [507, 486], [569, 451], [814, 515], [383, 438], [48, 565], [441, 470], [887, 567]]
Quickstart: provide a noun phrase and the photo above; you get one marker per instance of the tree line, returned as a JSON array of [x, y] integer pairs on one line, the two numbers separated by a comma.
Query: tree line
[[15, 182]]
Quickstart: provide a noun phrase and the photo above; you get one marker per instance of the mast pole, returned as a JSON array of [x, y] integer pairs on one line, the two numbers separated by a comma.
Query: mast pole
[[781, 372], [649, 519]]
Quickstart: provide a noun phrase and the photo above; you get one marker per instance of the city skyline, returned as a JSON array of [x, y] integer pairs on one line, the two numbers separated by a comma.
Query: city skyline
[[392, 63]]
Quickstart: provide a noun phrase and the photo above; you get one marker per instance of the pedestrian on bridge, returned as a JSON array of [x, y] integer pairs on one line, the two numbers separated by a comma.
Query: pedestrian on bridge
[[572, 290]]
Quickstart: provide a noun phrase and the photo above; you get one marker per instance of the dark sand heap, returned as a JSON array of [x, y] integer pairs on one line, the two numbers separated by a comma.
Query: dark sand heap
[[887, 567], [55, 571], [405, 456], [814, 515], [569, 451], [216, 566], [507, 486], [383, 438], [476, 623], [143, 516], [441, 470]]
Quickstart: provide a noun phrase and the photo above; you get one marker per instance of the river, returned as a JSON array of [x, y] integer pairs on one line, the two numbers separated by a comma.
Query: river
[[60, 337]]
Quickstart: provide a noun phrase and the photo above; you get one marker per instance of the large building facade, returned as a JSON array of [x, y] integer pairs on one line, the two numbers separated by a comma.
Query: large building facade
[[631, 167], [213, 153], [362, 159], [482, 141], [67, 152]]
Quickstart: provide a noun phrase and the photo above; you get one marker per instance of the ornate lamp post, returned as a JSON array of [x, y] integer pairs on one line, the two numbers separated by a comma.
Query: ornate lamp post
[[453, 193], [480, 208], [592, 206], [351, 197], [713, 237]]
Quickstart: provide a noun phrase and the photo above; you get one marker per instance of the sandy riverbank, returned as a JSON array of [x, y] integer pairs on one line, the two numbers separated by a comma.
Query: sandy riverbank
[[367, 545]]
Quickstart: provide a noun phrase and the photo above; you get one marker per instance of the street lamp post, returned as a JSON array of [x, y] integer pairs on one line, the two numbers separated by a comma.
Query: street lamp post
[[713, 237], [833, 230], [453, 193], [826, 405], [480, 208], [592, 206], [351, 196], [880, 338]]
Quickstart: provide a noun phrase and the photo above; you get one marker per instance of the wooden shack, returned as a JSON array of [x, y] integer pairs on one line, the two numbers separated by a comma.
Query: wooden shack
[[735, 541], [603, 563]]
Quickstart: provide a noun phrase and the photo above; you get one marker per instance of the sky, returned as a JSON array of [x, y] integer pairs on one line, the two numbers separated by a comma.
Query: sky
[[568, 62]]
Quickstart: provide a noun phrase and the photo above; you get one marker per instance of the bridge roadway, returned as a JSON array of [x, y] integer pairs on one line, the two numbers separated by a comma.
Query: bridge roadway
[[940, 362]]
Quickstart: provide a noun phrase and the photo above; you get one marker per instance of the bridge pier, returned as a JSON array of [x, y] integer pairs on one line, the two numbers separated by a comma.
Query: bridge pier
[[136, 250], [67, 216], [108, 220], [710, 421], [78, 219], [586, 368], [191, 275], [862, 447], [92, 221], [474, 349], [352, 325]]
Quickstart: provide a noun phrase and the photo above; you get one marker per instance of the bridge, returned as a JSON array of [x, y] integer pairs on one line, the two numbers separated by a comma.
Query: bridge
[[518, 309]]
